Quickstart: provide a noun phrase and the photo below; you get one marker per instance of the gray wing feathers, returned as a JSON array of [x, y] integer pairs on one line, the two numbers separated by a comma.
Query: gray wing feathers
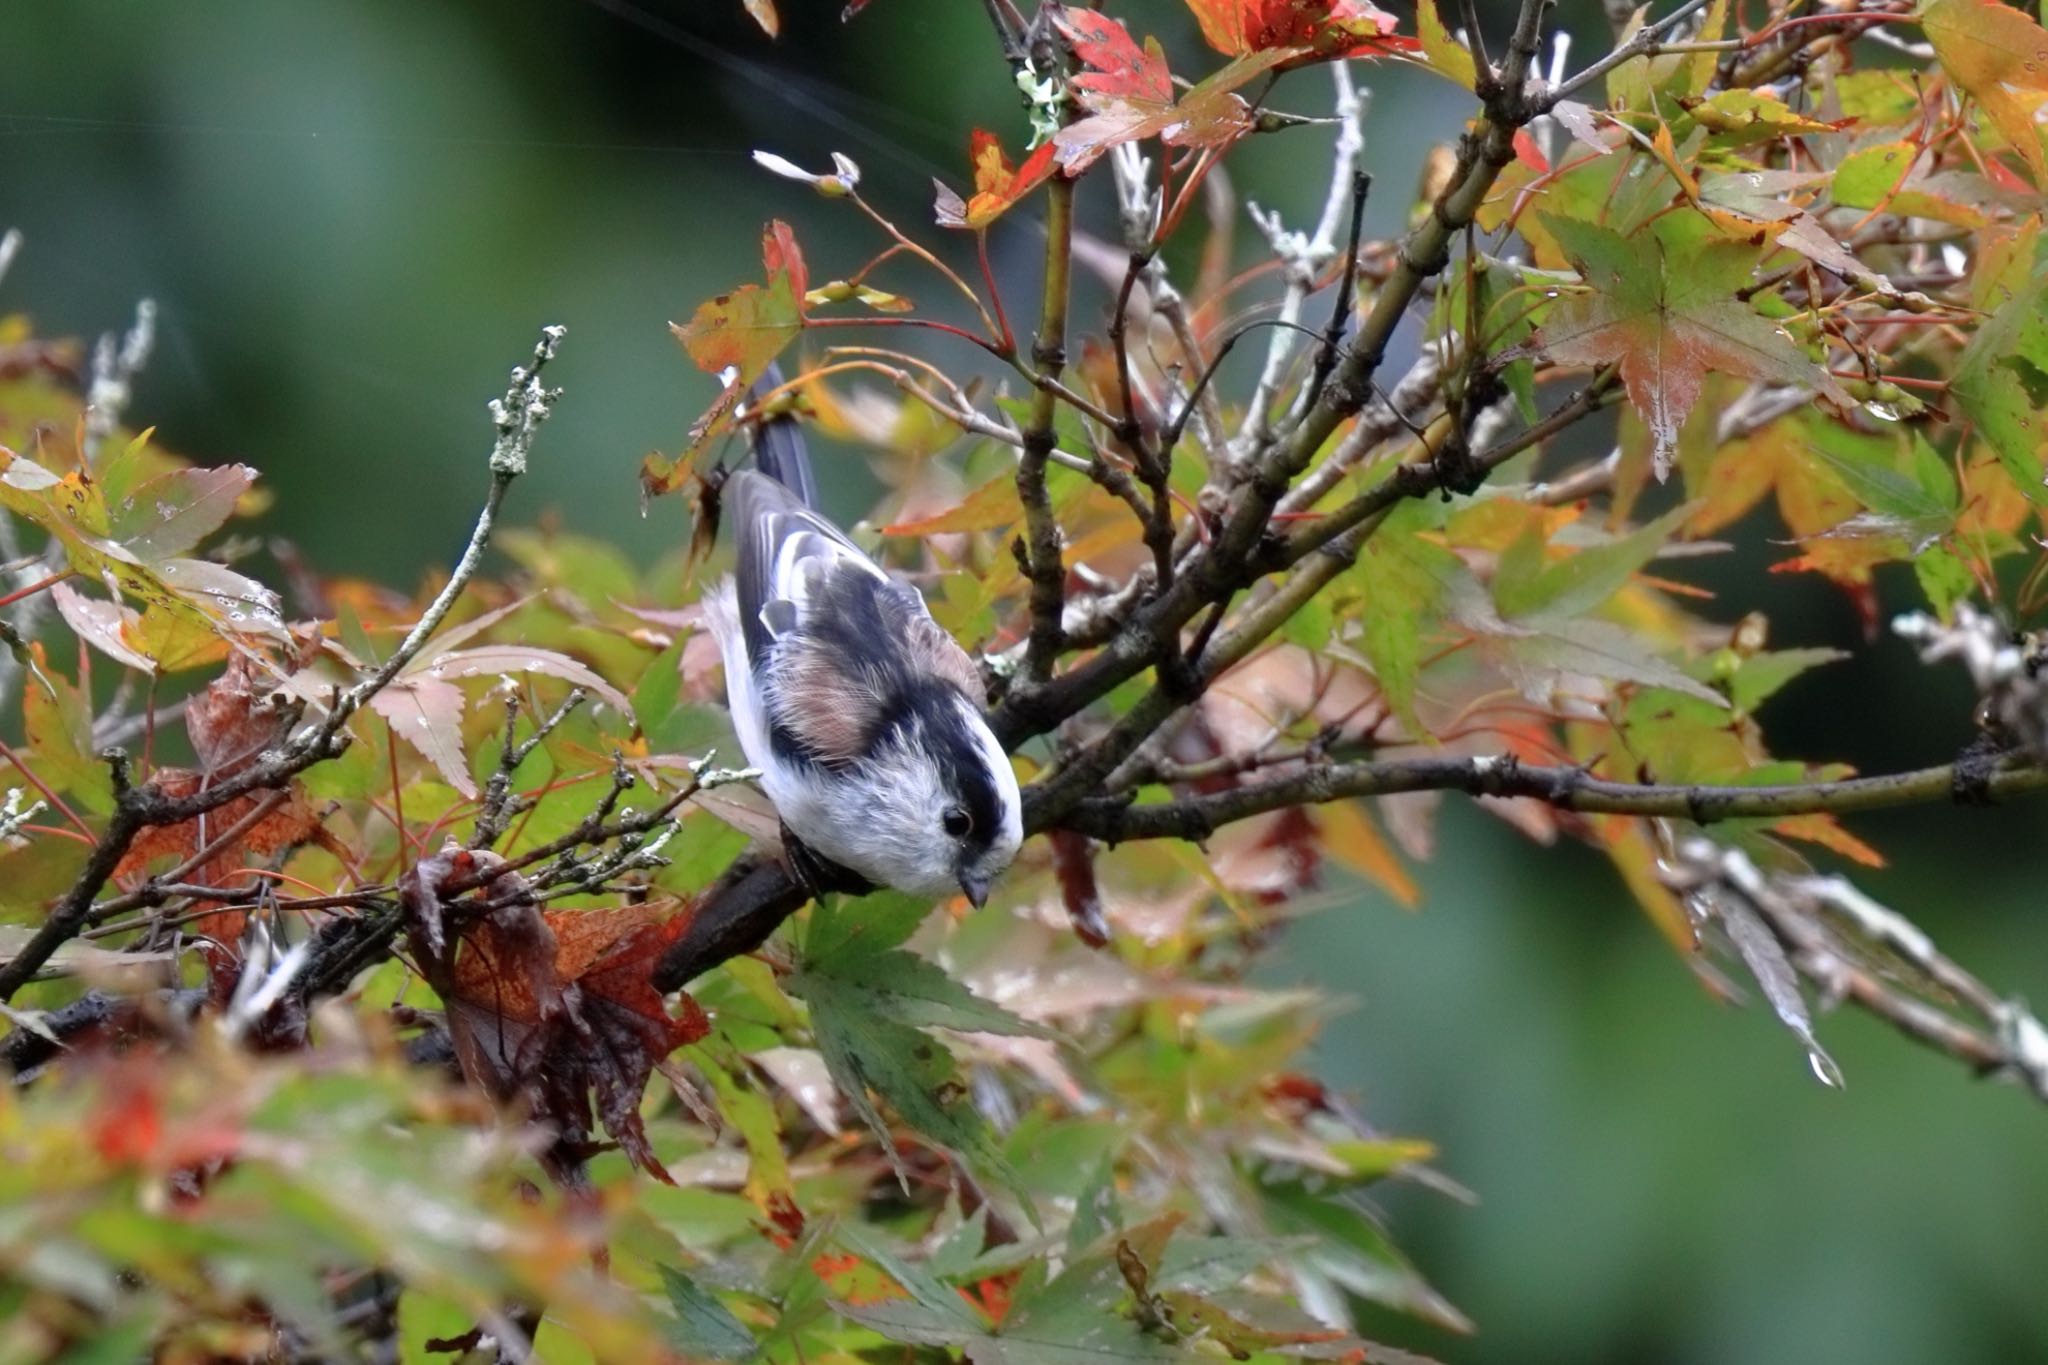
[[784, 549]]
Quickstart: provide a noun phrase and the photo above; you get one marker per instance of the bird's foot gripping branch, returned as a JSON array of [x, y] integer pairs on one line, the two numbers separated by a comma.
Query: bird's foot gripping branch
[[405, 939]]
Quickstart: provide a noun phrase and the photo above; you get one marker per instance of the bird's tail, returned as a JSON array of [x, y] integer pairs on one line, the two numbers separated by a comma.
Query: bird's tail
[[779, 449]]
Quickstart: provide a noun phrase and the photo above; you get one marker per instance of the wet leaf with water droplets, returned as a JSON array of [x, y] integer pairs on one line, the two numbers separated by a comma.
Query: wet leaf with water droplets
[[1775, 975], [173, 512], [427, 714]]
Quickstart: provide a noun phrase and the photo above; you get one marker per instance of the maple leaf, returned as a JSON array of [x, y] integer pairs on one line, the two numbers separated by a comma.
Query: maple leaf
[[154, 641], [1810, 497], [1129, 93], [743, 331], [2000, 56], [426, 709], [558, 1008], [1441, 50], [230, 723], [1663, 307], [869, 1002], [1890, 175], [997, 184], [133, 1121], [1841, 495], [1353, 840], [991, 507], [172, 513], [1324, 28], [102, 625], [427, 714], [2001, 383], [137, 546]]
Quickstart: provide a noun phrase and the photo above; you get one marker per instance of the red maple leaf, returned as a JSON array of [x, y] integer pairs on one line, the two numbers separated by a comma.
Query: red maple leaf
[[1129, 93]]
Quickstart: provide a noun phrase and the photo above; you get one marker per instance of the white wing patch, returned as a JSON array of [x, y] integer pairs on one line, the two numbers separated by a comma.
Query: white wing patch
[[805, 554]]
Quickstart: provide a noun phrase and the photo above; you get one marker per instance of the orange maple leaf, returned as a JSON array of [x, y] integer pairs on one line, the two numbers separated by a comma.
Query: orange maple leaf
[[743, 331], [1324, 28], [997, 184]]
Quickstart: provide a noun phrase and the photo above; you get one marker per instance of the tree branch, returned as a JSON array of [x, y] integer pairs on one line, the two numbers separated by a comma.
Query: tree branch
[[1041, 556], [1197, 817], [1226, 564], [1642, 43]]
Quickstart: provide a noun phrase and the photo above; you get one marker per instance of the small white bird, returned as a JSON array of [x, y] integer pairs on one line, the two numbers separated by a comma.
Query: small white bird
[[863, 715]]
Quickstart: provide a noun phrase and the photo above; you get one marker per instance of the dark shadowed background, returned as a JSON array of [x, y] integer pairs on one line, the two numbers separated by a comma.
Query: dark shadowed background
[[354, 215]]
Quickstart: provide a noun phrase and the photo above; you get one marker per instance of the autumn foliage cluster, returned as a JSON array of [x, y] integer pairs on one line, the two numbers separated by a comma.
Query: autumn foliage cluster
[[415, 976]]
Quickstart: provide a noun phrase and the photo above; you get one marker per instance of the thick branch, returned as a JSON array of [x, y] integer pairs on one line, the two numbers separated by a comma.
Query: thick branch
[[1043, 565], [1197, 817], [736, 915]]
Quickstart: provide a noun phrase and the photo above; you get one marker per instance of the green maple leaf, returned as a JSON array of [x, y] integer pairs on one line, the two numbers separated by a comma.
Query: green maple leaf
[[1664, 307], [2001, 383], [870, 1002]]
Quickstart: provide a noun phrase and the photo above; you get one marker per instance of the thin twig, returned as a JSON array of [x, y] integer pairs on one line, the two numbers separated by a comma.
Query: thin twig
[[166, 885], [1340, 306], [1642, 43], [1305, 258], [500, 806]]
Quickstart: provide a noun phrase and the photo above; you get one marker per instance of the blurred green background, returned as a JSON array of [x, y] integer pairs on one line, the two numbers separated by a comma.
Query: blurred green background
[[355, 214]]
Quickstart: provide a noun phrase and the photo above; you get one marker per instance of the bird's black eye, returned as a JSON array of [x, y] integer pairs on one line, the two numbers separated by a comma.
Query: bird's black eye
[[957, 822]]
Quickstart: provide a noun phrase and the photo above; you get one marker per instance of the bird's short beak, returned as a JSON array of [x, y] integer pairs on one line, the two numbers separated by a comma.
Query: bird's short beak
[[975, 887]]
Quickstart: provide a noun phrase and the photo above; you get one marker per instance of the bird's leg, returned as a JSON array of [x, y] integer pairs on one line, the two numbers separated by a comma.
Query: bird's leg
[[817, 873]]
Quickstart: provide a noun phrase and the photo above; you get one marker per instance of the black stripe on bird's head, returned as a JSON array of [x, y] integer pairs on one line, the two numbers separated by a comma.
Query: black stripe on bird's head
[[931, 715]]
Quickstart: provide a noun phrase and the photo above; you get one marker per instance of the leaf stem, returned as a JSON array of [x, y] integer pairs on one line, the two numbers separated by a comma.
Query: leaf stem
[[952, 276], [32, 589]]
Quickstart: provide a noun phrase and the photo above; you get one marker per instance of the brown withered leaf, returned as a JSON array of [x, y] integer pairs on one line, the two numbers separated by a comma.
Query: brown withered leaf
[[238, 715], [554, 1009], [230, 723]]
